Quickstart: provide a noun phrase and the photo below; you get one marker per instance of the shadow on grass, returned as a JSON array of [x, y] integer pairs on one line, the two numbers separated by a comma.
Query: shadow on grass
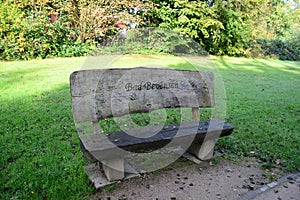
[[40, 154], [258, 65]]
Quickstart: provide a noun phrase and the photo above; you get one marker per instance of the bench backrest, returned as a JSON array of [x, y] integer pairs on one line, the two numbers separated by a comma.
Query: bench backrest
[[104, 93]]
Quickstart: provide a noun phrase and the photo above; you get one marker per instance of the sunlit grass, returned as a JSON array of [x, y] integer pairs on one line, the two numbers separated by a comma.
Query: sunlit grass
[[263, 103]]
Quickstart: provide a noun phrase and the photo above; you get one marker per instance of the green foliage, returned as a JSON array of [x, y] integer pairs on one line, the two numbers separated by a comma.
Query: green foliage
[[111, 187], [226, 27], [193, 18], [267, 166], [275, 20], [96, 19], [50, 28], [277, 32], [272, 176], [293, 40], [236, 17], [25, 36], [277, 49], [223, 28], [151, 41], [215, 160]]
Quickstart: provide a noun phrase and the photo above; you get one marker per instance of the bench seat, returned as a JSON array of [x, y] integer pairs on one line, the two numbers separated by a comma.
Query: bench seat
[[99, 147]]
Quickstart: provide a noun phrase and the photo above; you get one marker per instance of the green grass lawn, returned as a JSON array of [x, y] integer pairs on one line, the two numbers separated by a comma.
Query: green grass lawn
[[40, 154]]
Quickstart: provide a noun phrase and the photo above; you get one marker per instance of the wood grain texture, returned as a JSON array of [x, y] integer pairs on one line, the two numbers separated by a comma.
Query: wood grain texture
[[99, 94], [195, 114], [102, 147]]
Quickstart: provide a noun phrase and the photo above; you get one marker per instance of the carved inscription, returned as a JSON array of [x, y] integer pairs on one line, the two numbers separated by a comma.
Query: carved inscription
[[99, 94], [151, 86]]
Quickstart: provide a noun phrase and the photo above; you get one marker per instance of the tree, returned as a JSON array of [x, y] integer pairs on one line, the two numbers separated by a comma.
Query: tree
[[226, 27], [222, 27], [45, 28], [95, 19]]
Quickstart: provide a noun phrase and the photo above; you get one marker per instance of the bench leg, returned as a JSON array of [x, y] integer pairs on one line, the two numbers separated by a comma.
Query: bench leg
[[114, 169], [205, 150]]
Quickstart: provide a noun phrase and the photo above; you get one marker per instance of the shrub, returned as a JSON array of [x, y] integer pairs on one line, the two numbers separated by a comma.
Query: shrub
[[47, 28], [293, 40], [221, 27], [273, 48], [26, 37], [152, 41]]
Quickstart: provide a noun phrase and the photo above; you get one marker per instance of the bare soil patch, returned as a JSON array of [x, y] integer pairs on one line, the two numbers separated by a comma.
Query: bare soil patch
[[186, 180]]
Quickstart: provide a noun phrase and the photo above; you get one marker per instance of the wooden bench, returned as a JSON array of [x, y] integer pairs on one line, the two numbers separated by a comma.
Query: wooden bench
[[100, 94]]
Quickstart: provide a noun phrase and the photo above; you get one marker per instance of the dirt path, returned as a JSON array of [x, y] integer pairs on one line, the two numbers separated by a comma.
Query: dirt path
[[186, 180]]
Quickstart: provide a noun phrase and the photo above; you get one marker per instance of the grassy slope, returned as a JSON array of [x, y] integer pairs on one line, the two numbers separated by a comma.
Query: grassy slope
[[40, 154]]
